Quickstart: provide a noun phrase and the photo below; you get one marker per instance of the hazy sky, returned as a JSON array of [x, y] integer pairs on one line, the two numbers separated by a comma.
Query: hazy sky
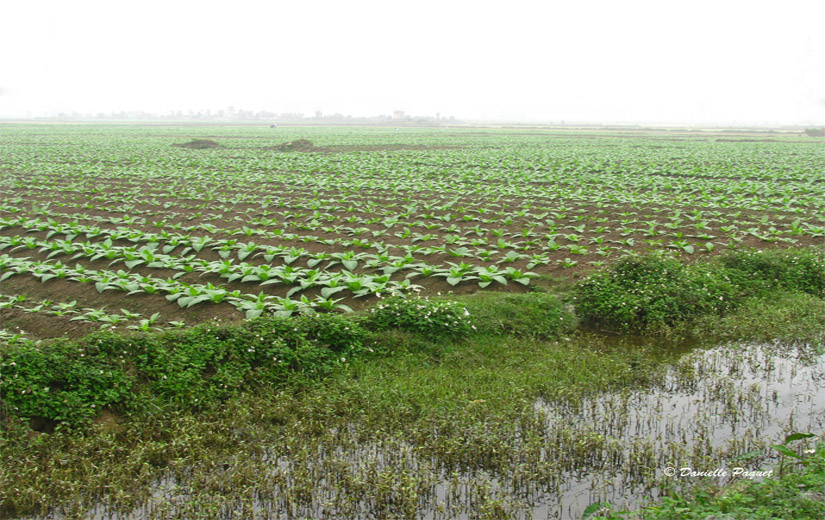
[[665, 61]]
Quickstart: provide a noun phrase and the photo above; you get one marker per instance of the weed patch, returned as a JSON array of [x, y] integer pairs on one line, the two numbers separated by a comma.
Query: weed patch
[[70, 382], [647, 293], [435, 318], [653, 293], [534, 315], [62, 382], [758, 272]]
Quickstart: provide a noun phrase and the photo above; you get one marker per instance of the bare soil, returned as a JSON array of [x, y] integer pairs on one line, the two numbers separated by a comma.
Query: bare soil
[[199, 144]]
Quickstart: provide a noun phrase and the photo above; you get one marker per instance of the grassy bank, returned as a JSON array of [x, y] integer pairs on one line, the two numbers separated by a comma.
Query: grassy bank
[[444, 389]]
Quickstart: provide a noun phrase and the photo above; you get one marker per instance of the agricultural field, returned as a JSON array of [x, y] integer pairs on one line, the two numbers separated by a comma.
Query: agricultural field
[[437, 323], [136, 228]]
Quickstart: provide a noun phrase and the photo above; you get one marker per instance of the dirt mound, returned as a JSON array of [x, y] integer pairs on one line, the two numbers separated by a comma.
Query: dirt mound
[[198, 144], [301, 145]]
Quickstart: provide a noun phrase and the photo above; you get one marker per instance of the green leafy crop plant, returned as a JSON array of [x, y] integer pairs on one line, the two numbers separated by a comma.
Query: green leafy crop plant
[[506, 198]]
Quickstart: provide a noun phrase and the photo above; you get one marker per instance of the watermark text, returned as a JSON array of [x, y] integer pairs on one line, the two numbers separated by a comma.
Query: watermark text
[[687, 472]]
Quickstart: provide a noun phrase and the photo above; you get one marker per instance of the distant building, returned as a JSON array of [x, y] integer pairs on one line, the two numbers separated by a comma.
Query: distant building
[[398, 114]]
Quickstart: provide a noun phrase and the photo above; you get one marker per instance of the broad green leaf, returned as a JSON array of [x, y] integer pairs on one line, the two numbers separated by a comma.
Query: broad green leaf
[[786, 451], [798, 436], [253, 313], [326, 292]]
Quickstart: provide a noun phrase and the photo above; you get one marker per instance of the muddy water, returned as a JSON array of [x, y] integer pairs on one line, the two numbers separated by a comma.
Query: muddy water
[[710, 416], [696, 424]]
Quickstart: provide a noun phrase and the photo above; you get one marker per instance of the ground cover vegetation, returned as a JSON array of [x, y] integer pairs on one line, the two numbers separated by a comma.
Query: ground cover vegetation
[[233, 347]]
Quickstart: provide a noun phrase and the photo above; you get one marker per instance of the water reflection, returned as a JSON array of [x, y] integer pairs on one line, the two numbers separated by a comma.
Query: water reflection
[[704, 413], [710, 409]]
